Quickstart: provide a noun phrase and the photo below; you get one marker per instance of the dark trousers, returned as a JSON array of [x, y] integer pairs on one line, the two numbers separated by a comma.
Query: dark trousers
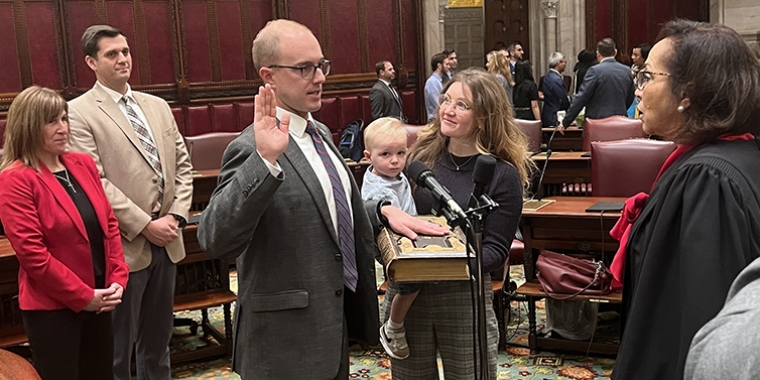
[[145, 320], [68, 345]]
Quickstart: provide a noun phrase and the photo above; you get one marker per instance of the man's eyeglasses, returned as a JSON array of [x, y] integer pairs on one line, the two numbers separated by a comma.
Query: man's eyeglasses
[[643, 77], [460, 106], [307, 70]]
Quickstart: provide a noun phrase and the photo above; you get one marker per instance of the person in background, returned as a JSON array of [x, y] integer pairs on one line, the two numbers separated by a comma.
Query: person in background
[[555, 94], [383, 98], [385, 148], [145, 170], [607, 88], [474, 119], [451, 62], [60, 224], [586, 59], [516, 52], [684, 244], [639, 55], [525, 93], [498, 65], [434, 84]]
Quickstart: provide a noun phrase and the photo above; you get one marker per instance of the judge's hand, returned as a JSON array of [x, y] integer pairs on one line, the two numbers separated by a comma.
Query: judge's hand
[[410, 226], [271, 139], [103, 300], [561, 129], [161, 231]]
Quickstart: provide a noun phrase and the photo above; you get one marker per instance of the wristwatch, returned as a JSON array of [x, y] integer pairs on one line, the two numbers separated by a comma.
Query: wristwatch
[[182, 222]]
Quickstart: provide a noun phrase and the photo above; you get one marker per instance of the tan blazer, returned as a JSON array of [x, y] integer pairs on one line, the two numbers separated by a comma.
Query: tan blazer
[[100, 129]]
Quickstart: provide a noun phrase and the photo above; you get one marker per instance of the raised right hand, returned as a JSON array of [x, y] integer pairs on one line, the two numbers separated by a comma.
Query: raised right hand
[[271, 139]]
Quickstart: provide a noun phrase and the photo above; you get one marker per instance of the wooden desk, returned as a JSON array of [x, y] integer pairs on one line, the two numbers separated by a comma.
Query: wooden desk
[[567, 173], [572, 140], [565, 226]]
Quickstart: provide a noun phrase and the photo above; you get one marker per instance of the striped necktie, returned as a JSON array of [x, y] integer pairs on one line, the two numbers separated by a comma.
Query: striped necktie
[[345, 229], [148, 144]]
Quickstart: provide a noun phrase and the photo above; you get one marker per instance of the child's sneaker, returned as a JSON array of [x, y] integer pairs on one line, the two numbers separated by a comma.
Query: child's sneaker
[[394, 342]]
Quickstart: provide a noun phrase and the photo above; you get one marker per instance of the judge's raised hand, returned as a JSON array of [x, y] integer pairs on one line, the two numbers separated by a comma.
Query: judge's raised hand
[[410, 226], [271, 139]]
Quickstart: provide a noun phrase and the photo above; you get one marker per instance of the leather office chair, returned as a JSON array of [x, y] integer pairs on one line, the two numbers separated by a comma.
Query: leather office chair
[[627, 167], [610, 129], [411, 131], [206, 150], [532, 130], [14, 367]]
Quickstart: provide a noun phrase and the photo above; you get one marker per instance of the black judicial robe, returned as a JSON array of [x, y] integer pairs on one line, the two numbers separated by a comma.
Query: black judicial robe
[[699, 228]]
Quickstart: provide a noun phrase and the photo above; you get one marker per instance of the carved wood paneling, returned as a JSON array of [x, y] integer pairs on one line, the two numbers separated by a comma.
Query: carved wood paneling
[[506, 21], [181, 48]]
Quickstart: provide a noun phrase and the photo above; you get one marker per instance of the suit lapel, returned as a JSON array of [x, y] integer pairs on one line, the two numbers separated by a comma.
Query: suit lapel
[[87, 183], [303, 168], [112, 110], [62, 197]]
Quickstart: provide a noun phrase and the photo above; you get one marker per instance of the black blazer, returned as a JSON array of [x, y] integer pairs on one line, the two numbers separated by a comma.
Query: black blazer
[[383, 103], [555, 98], [607, 90]]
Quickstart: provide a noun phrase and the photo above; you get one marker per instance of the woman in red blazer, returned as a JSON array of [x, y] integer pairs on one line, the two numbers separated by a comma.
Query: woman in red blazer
[[61, 226]]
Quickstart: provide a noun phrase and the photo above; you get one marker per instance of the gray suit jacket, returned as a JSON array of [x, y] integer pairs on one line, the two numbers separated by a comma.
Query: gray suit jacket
[[607, 90], [100, 129], [383, 103], [291, 296]]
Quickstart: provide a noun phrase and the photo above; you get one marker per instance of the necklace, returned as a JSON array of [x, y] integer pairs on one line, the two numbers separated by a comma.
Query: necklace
[[67, 180], [451, 157]]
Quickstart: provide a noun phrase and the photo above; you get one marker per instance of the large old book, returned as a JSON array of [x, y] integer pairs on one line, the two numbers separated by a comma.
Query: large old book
[[429, 258]]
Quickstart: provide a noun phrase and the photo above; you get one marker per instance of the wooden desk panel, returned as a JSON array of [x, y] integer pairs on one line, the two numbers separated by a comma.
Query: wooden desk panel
[[567, 173], [565, 226], [572, 140]]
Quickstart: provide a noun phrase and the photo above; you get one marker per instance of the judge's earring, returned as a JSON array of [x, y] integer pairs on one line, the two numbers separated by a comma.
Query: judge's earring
[[680, 109]]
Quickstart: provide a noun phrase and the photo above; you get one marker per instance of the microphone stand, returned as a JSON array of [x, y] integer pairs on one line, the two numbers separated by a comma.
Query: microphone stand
[[476, 220], [535, 204]]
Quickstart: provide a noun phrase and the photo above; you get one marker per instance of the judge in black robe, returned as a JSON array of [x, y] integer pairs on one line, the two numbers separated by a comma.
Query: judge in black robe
[[700, 225]]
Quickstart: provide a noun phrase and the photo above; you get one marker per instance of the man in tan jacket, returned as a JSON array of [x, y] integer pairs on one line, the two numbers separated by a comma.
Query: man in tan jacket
[[145, 170]]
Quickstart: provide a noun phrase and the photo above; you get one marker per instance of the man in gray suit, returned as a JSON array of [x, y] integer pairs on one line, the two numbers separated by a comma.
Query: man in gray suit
[[383, 99], [288, 208], [607, 88]]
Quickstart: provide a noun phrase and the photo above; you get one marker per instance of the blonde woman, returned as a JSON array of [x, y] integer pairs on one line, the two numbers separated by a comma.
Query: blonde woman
[[474, 118], [60, 224], [498, 64]]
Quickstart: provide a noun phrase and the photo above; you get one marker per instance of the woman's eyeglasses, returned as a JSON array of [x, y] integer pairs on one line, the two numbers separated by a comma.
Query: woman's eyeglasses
[[307, 71], [460, 106], [643, 77]]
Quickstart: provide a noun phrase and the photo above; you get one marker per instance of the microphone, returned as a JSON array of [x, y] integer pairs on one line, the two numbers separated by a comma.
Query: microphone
[[546, 162], [424, 177], [482, 176]]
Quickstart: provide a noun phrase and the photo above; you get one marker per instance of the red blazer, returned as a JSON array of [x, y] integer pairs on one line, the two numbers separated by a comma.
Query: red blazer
[[45, 229]]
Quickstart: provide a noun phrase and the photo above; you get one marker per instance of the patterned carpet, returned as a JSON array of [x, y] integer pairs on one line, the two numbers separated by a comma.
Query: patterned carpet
[[515, 363]]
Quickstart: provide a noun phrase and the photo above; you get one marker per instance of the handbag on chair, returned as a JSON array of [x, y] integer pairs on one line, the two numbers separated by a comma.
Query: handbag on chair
[[563, 274]]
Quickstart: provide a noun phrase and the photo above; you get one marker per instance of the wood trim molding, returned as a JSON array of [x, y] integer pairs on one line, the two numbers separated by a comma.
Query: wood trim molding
[[398, 25], [247, 34], [324, 23], [141, 39], [101, 13], [361, 7], [590, 23], [281, 9], [22, 43], [213, 39]]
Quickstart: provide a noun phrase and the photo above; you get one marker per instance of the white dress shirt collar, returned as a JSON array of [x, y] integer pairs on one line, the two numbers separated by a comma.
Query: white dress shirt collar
[[114, 94]]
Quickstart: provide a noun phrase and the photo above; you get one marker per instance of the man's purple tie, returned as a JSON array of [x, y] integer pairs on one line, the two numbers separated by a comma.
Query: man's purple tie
[[345, 229]]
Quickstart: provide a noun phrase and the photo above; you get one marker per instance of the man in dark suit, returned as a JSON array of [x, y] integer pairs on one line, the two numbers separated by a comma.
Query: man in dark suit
[[607, 88], [555, 94], [516, 52], [383, 99], [288, 208]]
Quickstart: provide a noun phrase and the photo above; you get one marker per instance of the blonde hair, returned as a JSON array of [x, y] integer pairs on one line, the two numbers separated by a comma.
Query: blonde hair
[[27, 116], [500, 65], [496, 132], [266, 45], [384, 129]]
